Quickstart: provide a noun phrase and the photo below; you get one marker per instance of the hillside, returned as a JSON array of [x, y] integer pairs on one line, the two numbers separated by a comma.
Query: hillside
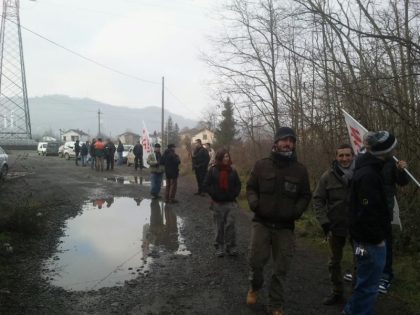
[[54, 112]]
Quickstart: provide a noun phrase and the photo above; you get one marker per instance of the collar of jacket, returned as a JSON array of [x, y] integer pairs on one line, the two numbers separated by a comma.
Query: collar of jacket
[[281, 160]]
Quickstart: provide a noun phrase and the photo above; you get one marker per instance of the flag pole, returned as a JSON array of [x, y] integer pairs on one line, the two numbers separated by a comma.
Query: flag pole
[[395, 158]]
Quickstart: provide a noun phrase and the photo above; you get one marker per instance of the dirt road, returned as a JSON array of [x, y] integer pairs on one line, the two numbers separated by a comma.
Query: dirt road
[[99, 245]]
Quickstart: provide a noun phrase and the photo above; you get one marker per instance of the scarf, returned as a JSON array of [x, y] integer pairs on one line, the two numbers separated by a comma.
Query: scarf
[[223, 177], [347, 172]]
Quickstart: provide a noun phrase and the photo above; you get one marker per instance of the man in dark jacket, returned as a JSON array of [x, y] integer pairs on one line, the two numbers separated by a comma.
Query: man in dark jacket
[[77, 151], [92, 154], [331, 203], [171, 162], [200, 163], [84, 152], [138, 156], [370, 222], [278, 193], [109, 154]]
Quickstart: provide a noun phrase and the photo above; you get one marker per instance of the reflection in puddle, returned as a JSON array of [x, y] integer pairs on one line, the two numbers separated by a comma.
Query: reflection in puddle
[[112, 241], [131, 180]]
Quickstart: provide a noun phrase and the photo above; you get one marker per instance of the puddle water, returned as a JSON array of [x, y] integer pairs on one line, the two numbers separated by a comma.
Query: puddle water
[[114, 240], [12, 175], [131, 180]]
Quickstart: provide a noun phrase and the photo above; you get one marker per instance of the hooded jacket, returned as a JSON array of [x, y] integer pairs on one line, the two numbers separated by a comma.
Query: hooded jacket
[[370, 219], [278, 190]]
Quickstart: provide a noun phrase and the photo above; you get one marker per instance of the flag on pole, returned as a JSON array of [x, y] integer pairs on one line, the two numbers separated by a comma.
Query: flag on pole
[[356, 132], [145, 142]]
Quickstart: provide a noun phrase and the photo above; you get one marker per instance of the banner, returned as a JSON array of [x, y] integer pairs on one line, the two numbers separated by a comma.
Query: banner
[[356, 132], [147, 146]]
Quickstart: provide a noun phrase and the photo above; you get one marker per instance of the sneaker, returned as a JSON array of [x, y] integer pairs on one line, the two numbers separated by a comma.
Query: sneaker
[[251, 297], [384, 286], [348, 276], [332, 299]]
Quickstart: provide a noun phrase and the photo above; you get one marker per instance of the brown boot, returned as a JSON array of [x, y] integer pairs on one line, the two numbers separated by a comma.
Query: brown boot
[[251, 297]]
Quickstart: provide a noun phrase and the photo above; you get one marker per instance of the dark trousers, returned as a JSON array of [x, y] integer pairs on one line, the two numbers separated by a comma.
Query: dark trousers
[[200, 174], [77, 158], [110, 162], [388, 274], [171, 185], [138, 162], [336, 244]]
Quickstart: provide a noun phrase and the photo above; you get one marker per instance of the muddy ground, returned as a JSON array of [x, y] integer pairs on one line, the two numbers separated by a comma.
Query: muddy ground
[[53, 191]]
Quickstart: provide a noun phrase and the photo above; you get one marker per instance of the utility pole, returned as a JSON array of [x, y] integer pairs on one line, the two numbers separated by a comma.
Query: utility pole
[[163, 107], [99, 122]]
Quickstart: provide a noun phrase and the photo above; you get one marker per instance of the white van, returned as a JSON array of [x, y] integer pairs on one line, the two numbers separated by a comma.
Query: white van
[[42, 148]]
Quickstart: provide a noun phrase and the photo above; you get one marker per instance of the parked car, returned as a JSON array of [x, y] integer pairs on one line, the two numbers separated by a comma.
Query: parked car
[[4, 166], [125, 153], [42, 148], [52, 148], [61, 151], [68, 151]]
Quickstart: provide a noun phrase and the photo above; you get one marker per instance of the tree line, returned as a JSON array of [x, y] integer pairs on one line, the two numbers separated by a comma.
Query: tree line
[[299, 62]]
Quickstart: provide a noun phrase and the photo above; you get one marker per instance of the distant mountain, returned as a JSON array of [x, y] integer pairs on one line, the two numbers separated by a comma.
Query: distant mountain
[[54, 112]]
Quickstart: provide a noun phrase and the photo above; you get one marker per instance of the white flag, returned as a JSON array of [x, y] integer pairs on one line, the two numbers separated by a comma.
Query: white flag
[[356, 132], [145, 142]]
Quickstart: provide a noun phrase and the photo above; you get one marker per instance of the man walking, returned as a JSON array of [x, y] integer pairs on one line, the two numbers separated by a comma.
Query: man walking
[[370, 222], [278, 193], [200, 162], [331, 202], [156, 171]]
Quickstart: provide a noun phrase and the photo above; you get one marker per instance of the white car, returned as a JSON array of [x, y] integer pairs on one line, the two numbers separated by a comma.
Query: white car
[[127, 148], [68, 150], [4, 166]]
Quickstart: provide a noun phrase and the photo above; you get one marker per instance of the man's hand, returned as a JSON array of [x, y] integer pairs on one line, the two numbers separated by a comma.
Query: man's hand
[[401, 165]]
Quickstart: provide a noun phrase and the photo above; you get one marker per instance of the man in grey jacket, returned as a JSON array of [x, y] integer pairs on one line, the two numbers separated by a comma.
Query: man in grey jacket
[[331, 203], [278, 193]]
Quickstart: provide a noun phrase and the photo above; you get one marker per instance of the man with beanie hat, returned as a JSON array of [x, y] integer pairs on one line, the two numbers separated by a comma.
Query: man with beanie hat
[[370, 221], [278, 193]]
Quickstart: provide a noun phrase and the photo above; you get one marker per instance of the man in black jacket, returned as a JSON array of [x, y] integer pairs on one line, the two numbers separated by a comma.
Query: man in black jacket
[[171, 162], [200, 162], [370, 222], [138, 156]]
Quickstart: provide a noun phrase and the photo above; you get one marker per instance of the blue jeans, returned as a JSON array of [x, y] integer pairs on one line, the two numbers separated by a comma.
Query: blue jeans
[[156, 183], [369, 272]]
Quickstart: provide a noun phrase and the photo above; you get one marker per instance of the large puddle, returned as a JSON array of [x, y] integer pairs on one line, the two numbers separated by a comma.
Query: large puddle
[[114, 240]]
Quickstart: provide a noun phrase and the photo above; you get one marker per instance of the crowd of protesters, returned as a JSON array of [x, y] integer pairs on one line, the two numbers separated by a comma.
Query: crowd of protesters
[[353, 202]]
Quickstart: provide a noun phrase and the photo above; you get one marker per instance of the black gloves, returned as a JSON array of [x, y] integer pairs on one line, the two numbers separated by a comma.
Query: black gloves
[[326, 228]]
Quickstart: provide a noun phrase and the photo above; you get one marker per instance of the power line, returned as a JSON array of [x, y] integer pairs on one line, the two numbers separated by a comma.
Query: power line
[[84, 57]]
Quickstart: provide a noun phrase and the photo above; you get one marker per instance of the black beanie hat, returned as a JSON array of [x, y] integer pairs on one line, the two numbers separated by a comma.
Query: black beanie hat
[[384, 143], [157, 145], [283, 133]]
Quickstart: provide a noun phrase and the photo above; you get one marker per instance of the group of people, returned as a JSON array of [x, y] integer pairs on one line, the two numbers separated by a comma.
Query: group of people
[[353, 201], [97, 153]]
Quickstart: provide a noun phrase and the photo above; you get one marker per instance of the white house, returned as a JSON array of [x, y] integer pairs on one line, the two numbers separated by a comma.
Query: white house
[[205, 135], [73, 135]]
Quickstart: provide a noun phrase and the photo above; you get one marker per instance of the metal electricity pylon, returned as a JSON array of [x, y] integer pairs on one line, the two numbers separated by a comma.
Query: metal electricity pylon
[[15, 123]]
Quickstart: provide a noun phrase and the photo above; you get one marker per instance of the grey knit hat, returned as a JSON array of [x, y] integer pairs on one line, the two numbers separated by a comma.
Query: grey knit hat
[[381, 142]]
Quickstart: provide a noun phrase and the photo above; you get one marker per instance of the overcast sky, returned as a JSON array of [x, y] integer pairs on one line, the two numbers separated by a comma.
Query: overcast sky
[[147, 39]]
